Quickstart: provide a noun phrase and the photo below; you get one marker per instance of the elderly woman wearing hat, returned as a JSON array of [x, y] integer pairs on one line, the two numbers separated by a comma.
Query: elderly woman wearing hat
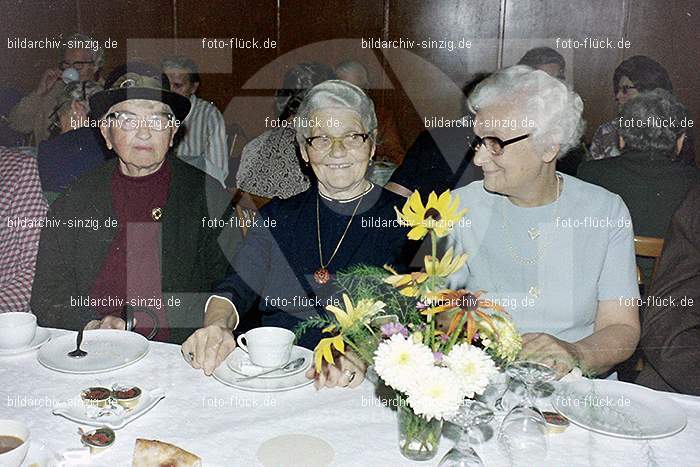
[[134, 237], [555, 251], [287, 263]]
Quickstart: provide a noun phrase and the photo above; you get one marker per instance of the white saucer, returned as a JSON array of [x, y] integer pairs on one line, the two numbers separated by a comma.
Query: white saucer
[[41, 337], [240, 363], [226, 376]]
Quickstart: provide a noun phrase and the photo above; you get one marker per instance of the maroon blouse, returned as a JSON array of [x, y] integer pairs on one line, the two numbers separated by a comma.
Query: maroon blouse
[[131, 271]]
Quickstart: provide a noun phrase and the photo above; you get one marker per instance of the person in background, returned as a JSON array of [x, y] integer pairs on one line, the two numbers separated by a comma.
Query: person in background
[[635, 75], [140, 235], [390, 146], [440, 158], [648, 174], [670, 341], [77, 146], [552, 62], [546, 59], [564, 281], [203, 142], [22, 213], [270, 163], [72, 107], [32, 113]]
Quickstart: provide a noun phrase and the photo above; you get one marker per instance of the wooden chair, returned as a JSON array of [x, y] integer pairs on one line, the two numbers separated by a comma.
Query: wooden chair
[[648, 247]]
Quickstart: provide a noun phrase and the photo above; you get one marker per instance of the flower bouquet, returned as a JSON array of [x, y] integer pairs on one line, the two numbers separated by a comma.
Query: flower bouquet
[[391, 320]]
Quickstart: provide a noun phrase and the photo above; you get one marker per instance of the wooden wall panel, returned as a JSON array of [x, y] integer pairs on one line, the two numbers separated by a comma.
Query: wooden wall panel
[[122, 20], [429, 78], [533, 23], [36, 20]]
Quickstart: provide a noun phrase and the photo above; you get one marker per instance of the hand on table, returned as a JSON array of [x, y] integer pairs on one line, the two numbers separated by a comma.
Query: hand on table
[[108, 322], [544, 348], [207, 347], [348, 372]]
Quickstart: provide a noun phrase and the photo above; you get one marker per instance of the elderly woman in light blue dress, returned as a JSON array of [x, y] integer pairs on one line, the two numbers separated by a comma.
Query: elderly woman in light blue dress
[[555, 251]]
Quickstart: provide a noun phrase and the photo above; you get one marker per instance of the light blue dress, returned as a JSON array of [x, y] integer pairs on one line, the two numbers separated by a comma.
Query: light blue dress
[[549, 266]]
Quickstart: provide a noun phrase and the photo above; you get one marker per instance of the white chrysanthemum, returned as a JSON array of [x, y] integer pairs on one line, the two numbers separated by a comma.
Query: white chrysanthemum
[[436, 393], [400, 361], [506, 342], [472, 366]]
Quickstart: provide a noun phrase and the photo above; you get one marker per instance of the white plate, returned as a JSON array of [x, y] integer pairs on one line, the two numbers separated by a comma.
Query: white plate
[[108, 349], [615, 408], [240, 363], [74, 410], [40, 338], [225, 375]]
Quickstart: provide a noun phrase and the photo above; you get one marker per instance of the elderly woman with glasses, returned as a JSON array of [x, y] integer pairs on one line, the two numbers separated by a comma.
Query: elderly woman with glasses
[[283, 274], [556, 252], [132, 239]]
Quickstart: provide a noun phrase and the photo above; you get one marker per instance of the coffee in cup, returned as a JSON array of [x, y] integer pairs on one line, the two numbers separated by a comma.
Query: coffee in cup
[[17, 330], [267, 346], [14, 443]]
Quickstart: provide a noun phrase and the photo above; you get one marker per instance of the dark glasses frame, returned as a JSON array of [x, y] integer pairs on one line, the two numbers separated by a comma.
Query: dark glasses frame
[[479, 141]]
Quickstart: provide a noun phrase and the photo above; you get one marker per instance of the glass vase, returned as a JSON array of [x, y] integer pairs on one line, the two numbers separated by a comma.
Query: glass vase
[[419, 438]]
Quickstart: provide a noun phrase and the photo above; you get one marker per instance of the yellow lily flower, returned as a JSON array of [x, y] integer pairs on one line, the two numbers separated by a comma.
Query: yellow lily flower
[[439, 214], [446, 266], [408, 284], [360, 313], [324, 351]]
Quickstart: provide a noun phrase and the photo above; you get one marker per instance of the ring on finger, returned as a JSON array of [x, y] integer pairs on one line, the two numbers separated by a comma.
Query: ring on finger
[[189, 356], [350, 375]]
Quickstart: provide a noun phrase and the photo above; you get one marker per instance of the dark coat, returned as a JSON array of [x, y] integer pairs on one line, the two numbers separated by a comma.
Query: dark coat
[[192, 261], [670, 338]]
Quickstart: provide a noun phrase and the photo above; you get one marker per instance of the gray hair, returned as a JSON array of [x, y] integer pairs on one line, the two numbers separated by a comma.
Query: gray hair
[[182, 63], [555, 109], [352, 67], [336, 94], [98, 56], [75, 92], [641, 121]]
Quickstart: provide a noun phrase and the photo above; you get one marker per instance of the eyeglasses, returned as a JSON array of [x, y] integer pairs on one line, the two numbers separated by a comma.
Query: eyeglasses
[[77, 65], [494, 145], [325, 142], [128, 121], [625, 88]]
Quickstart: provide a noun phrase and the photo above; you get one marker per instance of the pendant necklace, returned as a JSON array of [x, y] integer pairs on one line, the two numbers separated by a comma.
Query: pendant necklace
[[322, 275]]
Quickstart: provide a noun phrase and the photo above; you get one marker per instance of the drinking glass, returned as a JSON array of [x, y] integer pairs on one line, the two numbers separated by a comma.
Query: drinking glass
[[470, 415], [523, 432]]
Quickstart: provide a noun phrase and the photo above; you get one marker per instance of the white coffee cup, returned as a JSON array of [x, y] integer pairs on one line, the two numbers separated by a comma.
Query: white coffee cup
[[17, 329], [19, 430], [267, 346]]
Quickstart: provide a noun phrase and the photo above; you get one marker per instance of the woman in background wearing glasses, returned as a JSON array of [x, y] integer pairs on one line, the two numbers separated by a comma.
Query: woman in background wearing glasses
[[283, 274], [554, 251], [633, 76], [134, 235]]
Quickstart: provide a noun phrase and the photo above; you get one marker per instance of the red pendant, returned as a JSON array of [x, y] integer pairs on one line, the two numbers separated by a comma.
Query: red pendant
[[322, 275]]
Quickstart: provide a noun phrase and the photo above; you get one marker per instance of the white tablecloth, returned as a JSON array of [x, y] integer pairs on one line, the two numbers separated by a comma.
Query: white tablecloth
[[226, 426]]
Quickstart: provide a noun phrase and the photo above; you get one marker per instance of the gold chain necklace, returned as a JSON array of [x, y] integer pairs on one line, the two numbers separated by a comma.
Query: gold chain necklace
[[322, 275], [532, 232]]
